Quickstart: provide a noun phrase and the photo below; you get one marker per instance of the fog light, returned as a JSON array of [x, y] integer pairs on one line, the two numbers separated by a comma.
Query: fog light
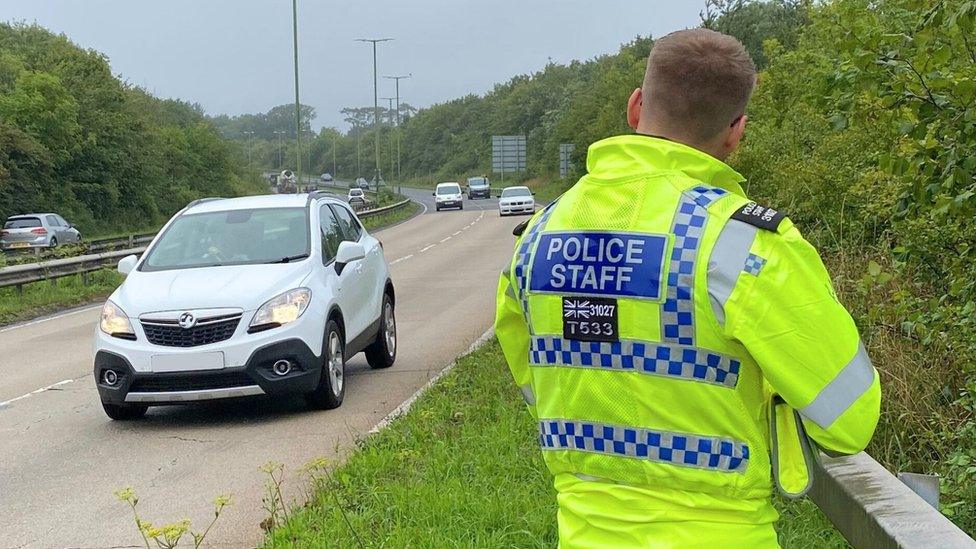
[[282, 367], [110, 377]]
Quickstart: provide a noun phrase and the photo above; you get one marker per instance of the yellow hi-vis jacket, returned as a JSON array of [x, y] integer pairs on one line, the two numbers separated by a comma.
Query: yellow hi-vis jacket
[[667, 333]]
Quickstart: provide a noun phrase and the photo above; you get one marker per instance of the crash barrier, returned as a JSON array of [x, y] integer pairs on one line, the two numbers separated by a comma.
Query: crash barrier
[[874, 509], [18, 275], [93, 245]]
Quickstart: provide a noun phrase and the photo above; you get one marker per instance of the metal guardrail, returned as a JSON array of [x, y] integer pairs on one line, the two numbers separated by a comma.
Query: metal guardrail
[[18, 275], [874, 509]]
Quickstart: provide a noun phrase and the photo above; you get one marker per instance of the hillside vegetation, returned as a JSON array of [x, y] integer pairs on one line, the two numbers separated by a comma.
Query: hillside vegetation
[[76, 140]]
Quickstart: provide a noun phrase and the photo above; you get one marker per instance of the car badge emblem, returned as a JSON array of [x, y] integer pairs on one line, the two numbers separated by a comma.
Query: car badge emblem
[[187, 321]]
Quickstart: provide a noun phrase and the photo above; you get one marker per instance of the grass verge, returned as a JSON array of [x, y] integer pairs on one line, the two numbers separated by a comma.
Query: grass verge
[[462, 469], [39, 298], [377, 222]]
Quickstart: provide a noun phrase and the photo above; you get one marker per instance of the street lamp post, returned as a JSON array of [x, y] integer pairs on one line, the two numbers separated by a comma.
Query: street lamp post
[[249, 138], [376, 103], [398, 79], [335, 172], [279, 133], [298, 108], [392, 160]]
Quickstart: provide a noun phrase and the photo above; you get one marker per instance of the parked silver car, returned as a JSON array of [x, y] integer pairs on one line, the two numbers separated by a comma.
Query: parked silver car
[[39, 230]]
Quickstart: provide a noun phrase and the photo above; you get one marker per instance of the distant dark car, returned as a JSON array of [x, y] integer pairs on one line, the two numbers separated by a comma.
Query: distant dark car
[[478, 187], [362, 184]]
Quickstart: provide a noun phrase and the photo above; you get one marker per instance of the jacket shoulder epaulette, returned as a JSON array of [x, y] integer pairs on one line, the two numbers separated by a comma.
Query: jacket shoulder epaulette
[[760, 216]]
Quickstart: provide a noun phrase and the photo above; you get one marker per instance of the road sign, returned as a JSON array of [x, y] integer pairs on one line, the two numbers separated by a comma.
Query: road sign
[[565, 159], [507, 153]]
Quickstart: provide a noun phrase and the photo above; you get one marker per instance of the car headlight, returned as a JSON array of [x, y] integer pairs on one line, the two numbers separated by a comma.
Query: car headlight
[[115, 323], [281, 309]]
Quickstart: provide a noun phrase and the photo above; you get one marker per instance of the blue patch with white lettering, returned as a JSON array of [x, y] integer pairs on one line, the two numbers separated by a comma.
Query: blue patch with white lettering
[[628, 265]]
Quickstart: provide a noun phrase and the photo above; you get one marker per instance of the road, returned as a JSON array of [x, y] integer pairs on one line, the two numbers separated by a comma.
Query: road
[[62, 458]]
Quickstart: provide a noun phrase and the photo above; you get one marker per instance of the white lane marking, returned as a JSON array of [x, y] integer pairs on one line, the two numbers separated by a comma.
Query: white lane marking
[[457, 233], [445, 239], [427, 248], [41, 390], [55, 317], [404, 258]]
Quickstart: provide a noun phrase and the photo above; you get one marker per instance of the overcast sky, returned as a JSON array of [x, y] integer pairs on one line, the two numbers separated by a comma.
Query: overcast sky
[[235, 56]]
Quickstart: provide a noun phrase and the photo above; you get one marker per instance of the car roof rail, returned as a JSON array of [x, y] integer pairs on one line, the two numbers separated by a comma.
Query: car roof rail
[[202, 200], [319, 193]]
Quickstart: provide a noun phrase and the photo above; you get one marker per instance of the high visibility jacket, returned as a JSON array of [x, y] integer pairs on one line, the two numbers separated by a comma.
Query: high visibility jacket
[[666, 332]]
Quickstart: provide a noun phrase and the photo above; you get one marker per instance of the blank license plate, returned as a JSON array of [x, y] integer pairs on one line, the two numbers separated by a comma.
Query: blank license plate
[[20, 244], [187, 362]]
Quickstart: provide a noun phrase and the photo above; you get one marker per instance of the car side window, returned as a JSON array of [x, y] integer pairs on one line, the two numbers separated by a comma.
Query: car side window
[[62, 221], [331, 234], [52, 221], [350, 226]]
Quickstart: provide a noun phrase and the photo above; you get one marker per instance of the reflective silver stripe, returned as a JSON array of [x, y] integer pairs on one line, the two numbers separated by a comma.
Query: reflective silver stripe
[[681, 449], [728, 256], [528, 395], [852, 382]]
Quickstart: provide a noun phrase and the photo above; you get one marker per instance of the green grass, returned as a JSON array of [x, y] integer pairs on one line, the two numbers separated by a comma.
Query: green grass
[[377, 222], [462, 469], [43, 297]]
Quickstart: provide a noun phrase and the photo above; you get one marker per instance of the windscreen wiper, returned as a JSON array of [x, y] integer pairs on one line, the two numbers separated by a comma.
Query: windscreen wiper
[[289, 258]]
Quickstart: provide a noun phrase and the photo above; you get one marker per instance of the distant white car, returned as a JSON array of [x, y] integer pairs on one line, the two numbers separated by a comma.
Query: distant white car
[[326, 178], [356, 198], [448, 195], [516, 200], [246, 296]]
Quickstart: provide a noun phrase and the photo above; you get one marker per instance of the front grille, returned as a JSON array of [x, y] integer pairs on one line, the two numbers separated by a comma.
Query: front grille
[[162, 383], [171, 335]]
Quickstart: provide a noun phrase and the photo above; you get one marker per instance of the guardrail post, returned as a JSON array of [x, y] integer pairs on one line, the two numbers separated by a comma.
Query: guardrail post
[[132, 240]]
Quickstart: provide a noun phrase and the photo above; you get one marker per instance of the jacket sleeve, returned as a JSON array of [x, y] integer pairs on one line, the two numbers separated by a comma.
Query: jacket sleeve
[[783, 309], [513, 335]]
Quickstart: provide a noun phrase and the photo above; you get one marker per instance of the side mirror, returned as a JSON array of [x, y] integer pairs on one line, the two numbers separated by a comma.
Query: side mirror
[[433, 194], [128, 263], [347, 253]]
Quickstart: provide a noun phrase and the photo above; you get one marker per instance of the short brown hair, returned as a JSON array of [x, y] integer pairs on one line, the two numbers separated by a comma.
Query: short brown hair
[[698, 80]]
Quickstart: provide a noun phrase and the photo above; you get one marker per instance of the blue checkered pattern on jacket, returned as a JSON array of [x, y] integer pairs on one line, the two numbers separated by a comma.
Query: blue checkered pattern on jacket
[[681, 449], [524, 257], [677, 313], [754, 264], [675, 361]]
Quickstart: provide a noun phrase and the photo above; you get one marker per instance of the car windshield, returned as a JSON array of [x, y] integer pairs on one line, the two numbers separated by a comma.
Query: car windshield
[[477, 181], [356, 192], [235, 237], [22, 223], [449, 189], [517, 191]]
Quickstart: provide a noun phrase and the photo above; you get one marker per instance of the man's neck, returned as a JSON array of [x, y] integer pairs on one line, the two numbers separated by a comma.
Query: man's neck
[[677, 137]]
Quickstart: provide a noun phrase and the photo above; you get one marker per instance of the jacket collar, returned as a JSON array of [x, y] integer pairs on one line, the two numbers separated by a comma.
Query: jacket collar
[[627, 155]]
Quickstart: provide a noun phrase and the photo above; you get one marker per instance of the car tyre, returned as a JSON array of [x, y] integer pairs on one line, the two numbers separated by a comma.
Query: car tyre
[[382, 352], [124, 412], [53, 243], [332, 385]]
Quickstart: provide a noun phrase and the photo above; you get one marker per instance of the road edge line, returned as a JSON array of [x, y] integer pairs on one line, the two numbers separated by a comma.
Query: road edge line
[[405, 406]]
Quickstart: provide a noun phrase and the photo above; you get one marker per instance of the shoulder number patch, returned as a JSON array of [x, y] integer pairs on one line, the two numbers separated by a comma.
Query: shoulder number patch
[[760, 216]]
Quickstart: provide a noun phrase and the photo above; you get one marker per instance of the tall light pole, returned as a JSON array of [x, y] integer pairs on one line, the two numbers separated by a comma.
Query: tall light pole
[[298, 107], [398, 79], [392, 160], [248, 134], [376, 103], [335, 172], [279, 133]]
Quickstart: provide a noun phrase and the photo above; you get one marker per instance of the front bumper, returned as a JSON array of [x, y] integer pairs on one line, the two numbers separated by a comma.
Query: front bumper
[[449, 203], [516, 209], [256, 377], [480, 194]]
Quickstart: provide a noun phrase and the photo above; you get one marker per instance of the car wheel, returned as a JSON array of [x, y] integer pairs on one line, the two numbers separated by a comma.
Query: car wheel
[[53, 243], [382, 352], [332, 383], [124, 412], [461, 207]]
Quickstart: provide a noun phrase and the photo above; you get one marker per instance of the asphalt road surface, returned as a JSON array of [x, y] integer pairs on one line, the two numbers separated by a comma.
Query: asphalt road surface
[[61, 457]]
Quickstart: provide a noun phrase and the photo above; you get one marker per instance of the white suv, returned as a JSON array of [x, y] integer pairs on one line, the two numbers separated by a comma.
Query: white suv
[[246, 296]]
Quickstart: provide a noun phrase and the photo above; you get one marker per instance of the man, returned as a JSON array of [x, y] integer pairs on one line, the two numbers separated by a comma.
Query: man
[[679, 344]]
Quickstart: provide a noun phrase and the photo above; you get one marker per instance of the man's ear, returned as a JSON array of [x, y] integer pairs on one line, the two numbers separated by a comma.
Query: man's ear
[[634, 106], [735, 135]]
